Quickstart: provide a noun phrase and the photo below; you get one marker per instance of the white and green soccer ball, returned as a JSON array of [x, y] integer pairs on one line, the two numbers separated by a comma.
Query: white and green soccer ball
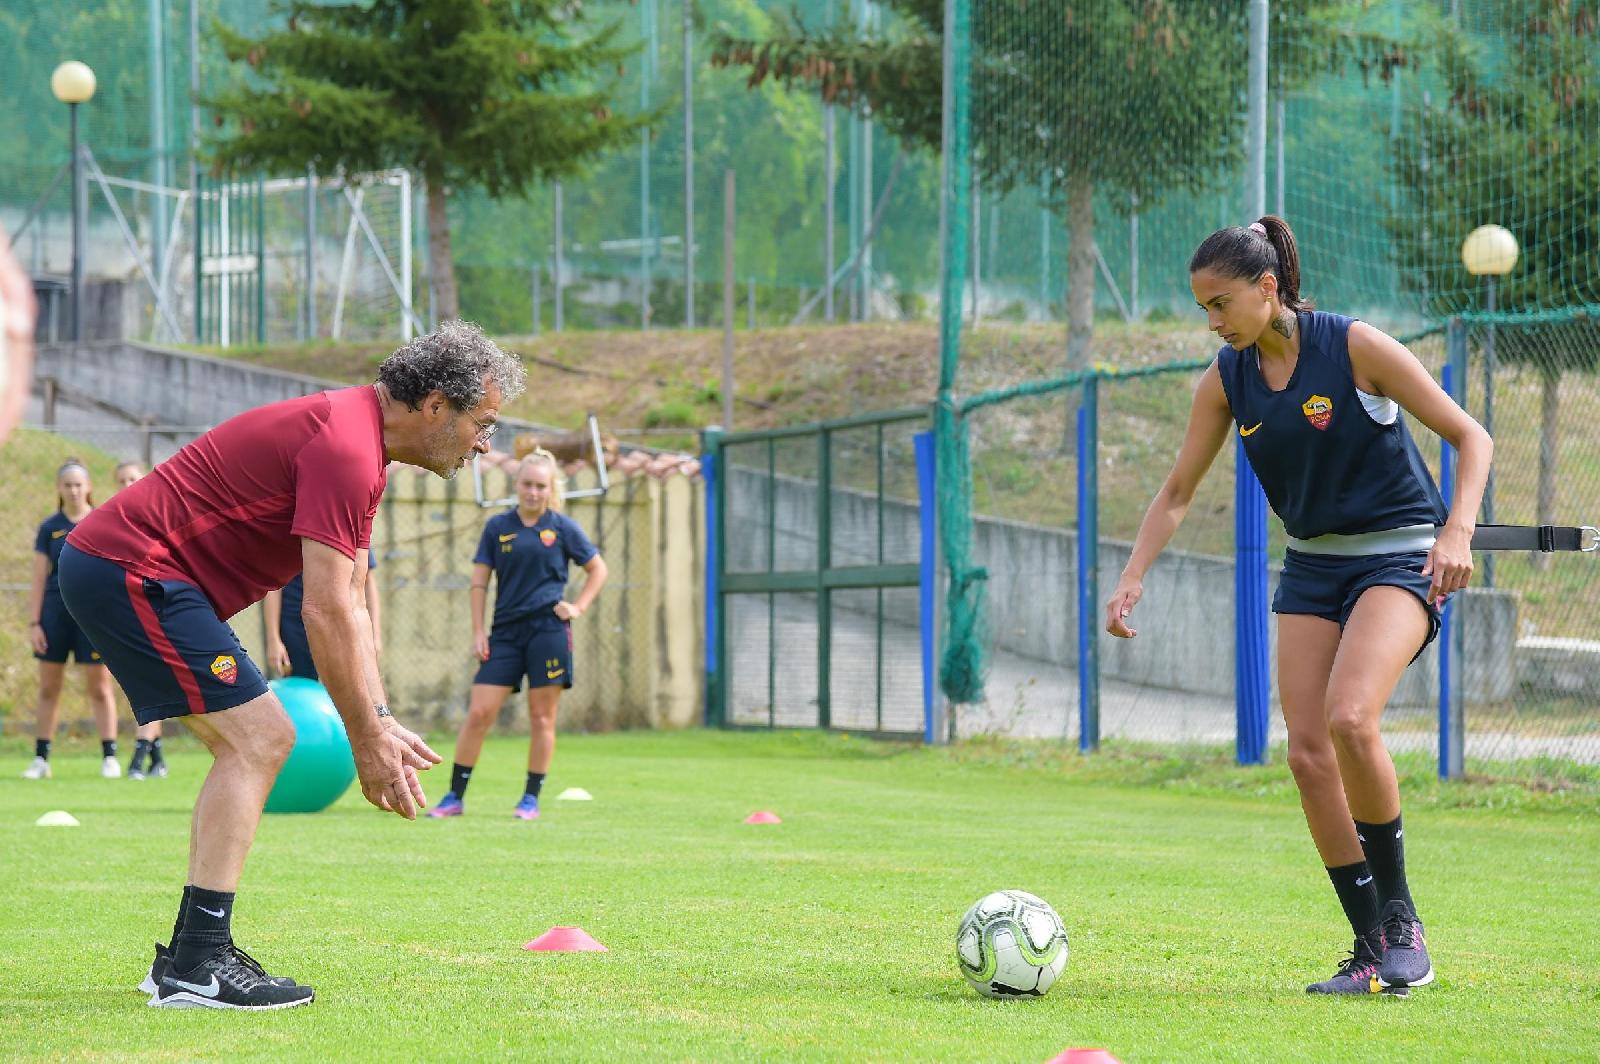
[[1011, 944]]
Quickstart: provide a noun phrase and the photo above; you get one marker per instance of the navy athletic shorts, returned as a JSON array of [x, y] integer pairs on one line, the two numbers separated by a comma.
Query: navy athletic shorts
[[63, 636], [1324, 585], [164, 642], [298, 646], [539, 647]]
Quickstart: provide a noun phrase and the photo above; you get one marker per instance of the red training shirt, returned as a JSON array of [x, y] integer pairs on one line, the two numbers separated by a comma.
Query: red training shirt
[[228, 511]]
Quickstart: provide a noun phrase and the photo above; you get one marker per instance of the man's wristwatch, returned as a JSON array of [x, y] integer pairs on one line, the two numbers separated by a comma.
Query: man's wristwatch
[[382, 710]]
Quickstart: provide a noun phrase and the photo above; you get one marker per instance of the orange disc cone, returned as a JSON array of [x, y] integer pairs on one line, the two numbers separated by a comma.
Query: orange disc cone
[[761, 816], [565, 940], [1084, 1056]]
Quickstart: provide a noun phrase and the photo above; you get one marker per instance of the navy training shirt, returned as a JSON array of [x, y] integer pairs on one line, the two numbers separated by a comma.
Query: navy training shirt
[[530, 561], [1327, 467], [51, 538], [294, 595]]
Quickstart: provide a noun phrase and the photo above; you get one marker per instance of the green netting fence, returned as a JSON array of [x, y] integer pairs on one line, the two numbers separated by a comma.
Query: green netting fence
[[1090, 147]]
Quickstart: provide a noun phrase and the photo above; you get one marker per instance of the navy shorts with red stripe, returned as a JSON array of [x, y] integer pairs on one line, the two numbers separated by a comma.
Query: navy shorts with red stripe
[[162, 639]]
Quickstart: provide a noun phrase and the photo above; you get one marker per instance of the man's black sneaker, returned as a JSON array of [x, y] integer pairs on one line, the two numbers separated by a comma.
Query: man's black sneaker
[[158, 968], [1405, 955], [1358, 973], [228, 979]]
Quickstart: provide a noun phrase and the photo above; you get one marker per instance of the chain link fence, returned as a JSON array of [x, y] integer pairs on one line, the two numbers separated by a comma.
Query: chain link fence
[[636, 651]]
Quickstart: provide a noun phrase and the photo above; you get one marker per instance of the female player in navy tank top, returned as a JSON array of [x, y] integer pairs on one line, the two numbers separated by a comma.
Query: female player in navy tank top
[[1316, 398], [527, 549], [55, 636]]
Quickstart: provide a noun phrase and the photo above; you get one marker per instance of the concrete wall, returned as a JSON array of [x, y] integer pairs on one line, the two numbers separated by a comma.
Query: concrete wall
[[1185, 621]]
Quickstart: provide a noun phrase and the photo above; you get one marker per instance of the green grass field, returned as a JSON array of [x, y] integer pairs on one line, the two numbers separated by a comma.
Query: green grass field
[[1196, 908]]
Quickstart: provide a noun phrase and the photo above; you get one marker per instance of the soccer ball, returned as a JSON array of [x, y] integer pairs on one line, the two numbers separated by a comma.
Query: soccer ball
[[1011, 944]]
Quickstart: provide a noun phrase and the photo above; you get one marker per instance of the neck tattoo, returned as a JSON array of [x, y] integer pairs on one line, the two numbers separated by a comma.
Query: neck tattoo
[[1285, 323]]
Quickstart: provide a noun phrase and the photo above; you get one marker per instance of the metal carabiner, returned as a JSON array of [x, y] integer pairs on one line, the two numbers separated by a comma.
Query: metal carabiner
[[1588, 539]]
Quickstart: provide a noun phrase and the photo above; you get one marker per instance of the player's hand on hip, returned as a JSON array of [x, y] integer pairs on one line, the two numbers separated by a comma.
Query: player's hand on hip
[[417, 753], [480, 646], [41, 645], [1449, 563], [567, 611], [386, 780], [1123, 600]]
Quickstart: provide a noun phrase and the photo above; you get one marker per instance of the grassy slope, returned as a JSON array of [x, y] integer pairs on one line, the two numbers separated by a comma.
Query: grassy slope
[[1194, 902], [789, 376]]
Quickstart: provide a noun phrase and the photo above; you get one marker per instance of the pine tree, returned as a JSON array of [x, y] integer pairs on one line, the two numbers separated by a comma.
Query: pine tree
[[1144, 97], [497, 94]]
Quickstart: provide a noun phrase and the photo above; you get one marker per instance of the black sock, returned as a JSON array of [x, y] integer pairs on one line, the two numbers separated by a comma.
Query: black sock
[[460, 776], [141, 749], [108, 748], [535, 783], [1386, 854], [207, 924], [155, 752], [41, 748], [1357, 894], [177, 925]]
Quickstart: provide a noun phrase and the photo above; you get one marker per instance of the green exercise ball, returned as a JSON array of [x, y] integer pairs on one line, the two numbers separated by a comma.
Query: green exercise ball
[[321, 766]]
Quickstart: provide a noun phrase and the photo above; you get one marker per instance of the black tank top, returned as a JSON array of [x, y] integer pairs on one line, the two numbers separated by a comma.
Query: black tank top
[[1326, 465]]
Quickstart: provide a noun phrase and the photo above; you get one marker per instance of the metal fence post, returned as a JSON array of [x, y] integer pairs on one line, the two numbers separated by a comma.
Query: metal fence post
[[1452, 695], [927, 559], [1089, 567], [716, 646]]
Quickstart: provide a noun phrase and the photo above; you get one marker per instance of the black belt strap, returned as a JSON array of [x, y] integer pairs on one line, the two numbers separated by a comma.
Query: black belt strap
[[1545, 538]]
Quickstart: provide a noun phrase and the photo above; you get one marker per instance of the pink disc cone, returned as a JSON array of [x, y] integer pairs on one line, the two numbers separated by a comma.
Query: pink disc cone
[[565, 940], [761, 816], [1084, 1056]]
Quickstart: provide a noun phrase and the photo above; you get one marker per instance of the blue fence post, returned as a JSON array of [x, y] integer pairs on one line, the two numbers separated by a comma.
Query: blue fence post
[[927, 590], [1452, 696], [1089, 567], [710, 471], [1252, 649]]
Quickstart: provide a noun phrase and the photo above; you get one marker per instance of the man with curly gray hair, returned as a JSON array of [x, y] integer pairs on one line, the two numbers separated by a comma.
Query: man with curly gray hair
[[153, 576]]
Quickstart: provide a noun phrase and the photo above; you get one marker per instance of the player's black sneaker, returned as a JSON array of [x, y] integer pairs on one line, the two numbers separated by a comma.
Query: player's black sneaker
[[158, 968], [1405, 955], [228, 979], [1358, 972]]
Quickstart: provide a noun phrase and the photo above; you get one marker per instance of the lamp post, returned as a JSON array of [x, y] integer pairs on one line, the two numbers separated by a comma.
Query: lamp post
[[1490, 252], [73, 83]]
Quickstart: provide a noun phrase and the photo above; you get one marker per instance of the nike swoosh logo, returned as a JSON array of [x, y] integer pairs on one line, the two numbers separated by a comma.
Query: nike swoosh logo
[[507, 539], [1363, 882], [218, 913], [209, 990], [1249, 431], [552, 675]]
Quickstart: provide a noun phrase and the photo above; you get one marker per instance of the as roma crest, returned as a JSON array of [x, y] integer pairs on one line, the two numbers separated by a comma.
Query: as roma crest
[[548, 537], [1318, 410], [224, 668]]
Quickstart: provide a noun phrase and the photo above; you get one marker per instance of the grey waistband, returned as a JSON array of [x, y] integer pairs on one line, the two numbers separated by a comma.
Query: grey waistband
[[1406, 540]]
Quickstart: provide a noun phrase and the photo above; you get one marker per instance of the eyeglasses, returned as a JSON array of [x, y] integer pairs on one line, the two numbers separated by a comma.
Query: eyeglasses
[[485, 432]]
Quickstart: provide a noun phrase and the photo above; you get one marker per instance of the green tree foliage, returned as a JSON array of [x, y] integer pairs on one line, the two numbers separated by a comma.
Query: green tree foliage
[[1514, 142], [498, 94], [1143, 97]]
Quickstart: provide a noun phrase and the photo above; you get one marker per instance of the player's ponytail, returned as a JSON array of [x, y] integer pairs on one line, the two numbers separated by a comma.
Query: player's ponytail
[[1281, 237], [1251, 251], [540, 456]]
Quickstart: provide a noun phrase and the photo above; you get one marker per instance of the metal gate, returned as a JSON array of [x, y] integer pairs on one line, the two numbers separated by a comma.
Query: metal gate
[[822, 576]]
